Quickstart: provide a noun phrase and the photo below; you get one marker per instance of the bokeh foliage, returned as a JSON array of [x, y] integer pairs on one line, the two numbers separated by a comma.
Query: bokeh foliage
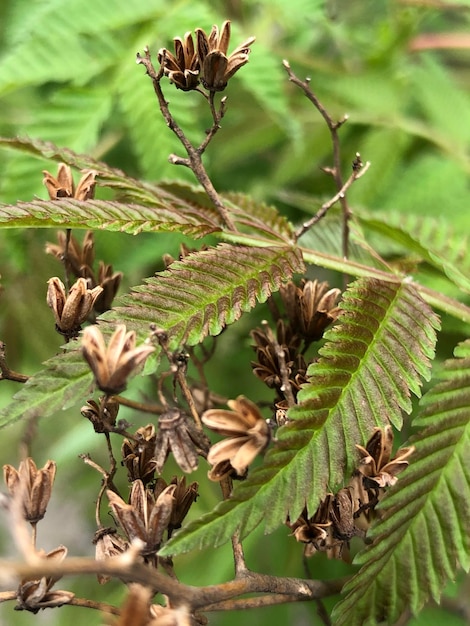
[[68, 75]]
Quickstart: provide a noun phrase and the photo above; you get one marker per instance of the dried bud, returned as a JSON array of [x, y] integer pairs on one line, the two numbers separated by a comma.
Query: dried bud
[[33, 595], [32, 486], [310, 308], [138, 454], [178, 433], [70, 311], [216, 67], [182, 68], [248, 433], [62, 186], [113, 365], [107, 544], [145, 517]]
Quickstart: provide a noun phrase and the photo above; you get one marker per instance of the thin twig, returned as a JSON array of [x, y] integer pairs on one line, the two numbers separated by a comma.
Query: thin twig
[[5, 372], [327, 205], [333, 127], [194, 160], [241, 570], [107, 482], [154, 409]]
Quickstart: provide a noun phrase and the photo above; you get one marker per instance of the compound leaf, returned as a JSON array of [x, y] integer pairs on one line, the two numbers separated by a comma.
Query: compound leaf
[[424, 531], [373, 359]]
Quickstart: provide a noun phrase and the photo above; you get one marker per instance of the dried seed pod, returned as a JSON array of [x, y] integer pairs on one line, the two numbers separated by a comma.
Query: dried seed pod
[[216, 67], [33, 595], [33, 486], [62, 186], [103, 415], [108, 544], [182, 68], [310, 308], [79, 259], [72, 309], [113, 364], [138, 455], [145, 517], [248, 432], [178, 433]]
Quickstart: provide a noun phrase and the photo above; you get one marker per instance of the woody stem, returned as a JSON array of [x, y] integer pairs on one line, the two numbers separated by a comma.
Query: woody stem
[[194, 160]]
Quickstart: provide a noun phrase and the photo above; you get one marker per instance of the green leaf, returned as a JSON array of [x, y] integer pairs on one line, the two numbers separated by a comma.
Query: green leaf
[[65, 381], [70, 41], [208, 290], [373, 359], [194, 298], [168, 216], [432, 239], [423, 535], [250, 216]]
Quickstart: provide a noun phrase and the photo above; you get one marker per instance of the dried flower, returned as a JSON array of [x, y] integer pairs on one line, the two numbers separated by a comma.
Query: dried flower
[[184, 498], [310, 308], [103, 415], [145, 517], [178, 433], [63, 186], [248, 433], [349, 513], [267, 367], [216, 68], [376, 466], [33, 595], [33, 486], [182, 68], [70, 310], [79, 258], [113, 365], [138, 454], [79, 261], [109, 281], [107, 544], [313, 530], [319, 532]]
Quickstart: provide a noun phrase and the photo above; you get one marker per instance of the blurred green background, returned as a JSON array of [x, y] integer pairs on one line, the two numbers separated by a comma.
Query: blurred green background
[[399, 69]]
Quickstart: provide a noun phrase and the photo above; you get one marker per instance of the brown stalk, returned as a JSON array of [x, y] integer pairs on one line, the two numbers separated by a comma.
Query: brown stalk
[[335, 171], [194, 160], [5, 372], [216, 597]]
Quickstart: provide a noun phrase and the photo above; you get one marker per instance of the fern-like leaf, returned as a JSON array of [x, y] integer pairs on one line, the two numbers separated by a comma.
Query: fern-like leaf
[[65, 381], [431, 239], [208, 290], [170, 214], [250, 216], [424, 532], [373, 359], [195, 297]]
